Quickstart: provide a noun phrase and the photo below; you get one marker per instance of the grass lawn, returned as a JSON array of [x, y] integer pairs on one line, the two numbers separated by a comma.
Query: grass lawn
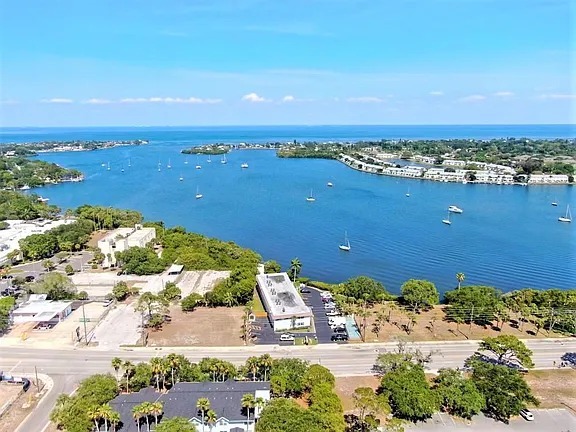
[[555, 388], [300, 341], [257, 306]]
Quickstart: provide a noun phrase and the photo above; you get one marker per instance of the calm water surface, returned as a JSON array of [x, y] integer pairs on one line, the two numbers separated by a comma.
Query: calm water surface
[[508, 236]]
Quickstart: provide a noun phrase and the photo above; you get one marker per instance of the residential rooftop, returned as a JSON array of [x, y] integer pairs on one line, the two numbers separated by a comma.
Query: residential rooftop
[[280, 296]]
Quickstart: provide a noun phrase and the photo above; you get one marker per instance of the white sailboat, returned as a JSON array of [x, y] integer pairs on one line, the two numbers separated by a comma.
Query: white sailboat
[[554, 203], [108, 168], [346, 245], [329, 184], [198, 194], [169, 165], [408, 193], [181, 177], [186, 160], [198, 166], [567, 217], [447, 221], [129, 163], [311, 197], [122, 169], [103, 164], [209, 160], [244, 165], [224, 161], [455, 209]]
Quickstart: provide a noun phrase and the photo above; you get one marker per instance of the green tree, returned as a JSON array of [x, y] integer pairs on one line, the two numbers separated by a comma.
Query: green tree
[[116, 365], [291, 372], [397, 358], [56, 285], [69, 270], [419, 294], [211, 418], [409, 394], [170, 292], [191, 301], [458, 395], [38, 246], [507, 348], [295, 268], [140, 261], [176, 424], [248, 402], [368, 403], [504, 389], [48, 265], [203, 406], [365, 288], [473, 304], [156, 410], [328, 406], [6, 305], [120, 291], [272, 266], [317, 374], [460, 278], [285, 415]]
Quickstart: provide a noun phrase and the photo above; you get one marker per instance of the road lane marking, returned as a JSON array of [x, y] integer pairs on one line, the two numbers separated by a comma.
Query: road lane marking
[[15, 366]]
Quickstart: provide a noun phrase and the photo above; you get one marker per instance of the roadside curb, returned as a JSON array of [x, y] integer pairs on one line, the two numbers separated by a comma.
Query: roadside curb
[[46, 389]]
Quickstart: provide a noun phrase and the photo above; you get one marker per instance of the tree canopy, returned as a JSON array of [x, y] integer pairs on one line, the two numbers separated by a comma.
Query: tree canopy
[[419, 294], [457, 394], [285, 415], [508, 349], [175, 424], [140, 261], [57, 285], [473, 303], [365, 288]]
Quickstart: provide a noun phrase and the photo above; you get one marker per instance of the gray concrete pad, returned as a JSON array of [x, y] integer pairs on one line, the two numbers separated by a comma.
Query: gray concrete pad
[[545, 420]]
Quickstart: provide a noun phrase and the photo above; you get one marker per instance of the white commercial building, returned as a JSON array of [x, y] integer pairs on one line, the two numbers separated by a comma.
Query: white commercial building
[[38, 309], [405, 171], [548, 179], [122, 239], [285, 307]]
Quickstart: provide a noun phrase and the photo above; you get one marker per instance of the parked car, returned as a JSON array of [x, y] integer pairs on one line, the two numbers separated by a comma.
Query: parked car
[[29, 278], [329, 306], [305, 291], [341, 330], [526, 414], [332, 313], [285, 337], [339, 337]]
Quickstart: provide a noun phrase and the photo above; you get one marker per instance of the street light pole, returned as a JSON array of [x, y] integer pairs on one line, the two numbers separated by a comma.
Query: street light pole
[[84, 321]]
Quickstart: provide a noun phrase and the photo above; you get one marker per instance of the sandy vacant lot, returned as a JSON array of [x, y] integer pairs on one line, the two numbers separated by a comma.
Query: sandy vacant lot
[[431, 326], [219, 326]]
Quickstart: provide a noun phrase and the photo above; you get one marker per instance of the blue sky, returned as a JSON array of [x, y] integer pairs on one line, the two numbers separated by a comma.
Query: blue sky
[[260, 62]]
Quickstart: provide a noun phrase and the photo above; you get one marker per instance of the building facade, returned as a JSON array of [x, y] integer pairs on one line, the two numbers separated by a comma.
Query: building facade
[[122, 239]]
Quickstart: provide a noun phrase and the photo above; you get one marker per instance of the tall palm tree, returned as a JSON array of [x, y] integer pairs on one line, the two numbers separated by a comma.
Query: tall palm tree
[[156, 367], [266, 364], [248, 402], [94, 415], [146, 408], [253, 364], [211, 418], [460, 278], [114, 420], [156, 409], [259, 403], [175, 362], [137, 414], [117, 364], [203, 406], [295, 267], [105, 414], [128, 371]]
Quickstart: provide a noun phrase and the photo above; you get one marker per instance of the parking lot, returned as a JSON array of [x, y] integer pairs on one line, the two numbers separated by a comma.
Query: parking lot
[[549, 420], [266, 336]]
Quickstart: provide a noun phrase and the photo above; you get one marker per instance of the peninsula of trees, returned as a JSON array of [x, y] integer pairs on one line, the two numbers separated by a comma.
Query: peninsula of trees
[[33, 148], [22, 173]]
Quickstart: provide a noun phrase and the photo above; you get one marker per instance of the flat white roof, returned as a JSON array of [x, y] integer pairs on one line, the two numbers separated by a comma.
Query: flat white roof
[[42, 307], [280, 297], [140, 233], [175, 268], [115, 233]]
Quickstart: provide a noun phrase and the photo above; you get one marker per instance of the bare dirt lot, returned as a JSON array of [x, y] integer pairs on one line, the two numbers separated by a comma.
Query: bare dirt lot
[[431, 325], [219, 326], [22, 406], [554, 388]]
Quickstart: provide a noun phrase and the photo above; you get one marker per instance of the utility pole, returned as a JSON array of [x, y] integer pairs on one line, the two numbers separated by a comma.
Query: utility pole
[[471, 318], [37, 382], [84, 321]]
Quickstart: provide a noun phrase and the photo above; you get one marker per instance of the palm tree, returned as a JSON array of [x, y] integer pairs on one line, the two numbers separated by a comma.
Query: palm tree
[[146, 408], [295, 267], [114, 420], [128, 371], [259, 403], [266, 364], [94, 415], [137, 413], [248, 402], [460, 278], [105, 412], [203, 406], [364, 314], [228, 299], [117, 364], [156, 367], [156, 409], [175, 362], [211, 418], [253, 363]]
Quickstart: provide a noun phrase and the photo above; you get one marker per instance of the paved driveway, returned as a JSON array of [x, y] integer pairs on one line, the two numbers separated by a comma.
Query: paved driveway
[[323, 330], [551, 420]]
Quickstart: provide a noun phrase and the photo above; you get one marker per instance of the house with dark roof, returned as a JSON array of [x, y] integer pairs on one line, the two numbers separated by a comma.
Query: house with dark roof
[[180, 401]]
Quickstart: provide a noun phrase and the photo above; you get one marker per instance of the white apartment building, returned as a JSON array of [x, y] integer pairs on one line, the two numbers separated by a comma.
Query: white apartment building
[[121, 239], [438, 174], [548, 179], [405, 171], [454, 163], [493, 177]]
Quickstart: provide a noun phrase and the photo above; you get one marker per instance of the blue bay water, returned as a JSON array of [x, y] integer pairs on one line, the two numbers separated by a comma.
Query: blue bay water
[[508, 236]]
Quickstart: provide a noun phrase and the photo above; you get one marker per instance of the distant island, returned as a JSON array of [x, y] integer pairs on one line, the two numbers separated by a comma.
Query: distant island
[[23, 173], [33, 148]]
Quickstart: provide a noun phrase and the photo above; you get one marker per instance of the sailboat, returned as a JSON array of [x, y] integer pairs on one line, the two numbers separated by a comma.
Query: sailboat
[[168, 166], [108, 166], [554, 203], [244, 165], [223, 161], [129, 163], [408, 193], [329, 184], [567, 217], [346, 245], [447, 221], [310, 197], [181, 177], [209, 160], [198, 166], [103, 164], [186, 161], [198, 194], [122, 169]]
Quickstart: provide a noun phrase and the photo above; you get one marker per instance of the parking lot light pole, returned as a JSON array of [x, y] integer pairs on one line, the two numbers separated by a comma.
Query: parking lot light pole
[[84, 321]]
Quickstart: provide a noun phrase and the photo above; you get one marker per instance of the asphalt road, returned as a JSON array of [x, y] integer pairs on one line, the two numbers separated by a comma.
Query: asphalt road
[[343, 360]]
